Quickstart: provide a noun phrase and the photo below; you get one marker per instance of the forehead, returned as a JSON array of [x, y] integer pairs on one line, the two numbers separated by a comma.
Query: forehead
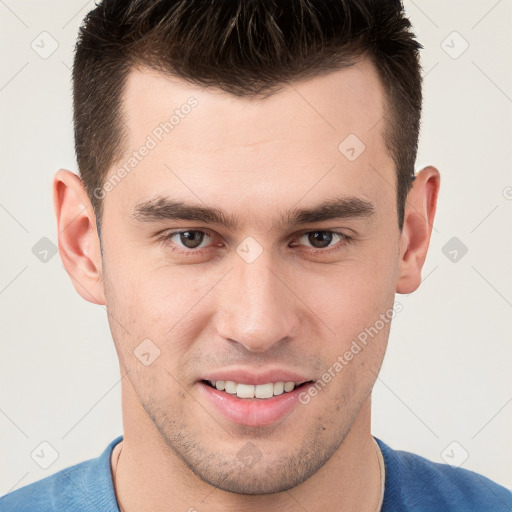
[[350, 98], [212, 144]]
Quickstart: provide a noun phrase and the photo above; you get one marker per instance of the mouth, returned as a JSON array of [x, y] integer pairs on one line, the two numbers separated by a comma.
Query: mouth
[[252, 398], [259, 391], [253, 405]]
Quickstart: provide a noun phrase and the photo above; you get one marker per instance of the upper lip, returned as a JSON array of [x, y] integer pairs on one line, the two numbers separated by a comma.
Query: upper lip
[[246, 376]]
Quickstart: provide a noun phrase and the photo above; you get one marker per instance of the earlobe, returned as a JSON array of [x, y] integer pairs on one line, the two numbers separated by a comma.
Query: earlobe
[[79, 246], [420, 209]]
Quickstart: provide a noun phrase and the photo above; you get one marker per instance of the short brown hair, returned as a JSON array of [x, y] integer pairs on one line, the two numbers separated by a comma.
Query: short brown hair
[[249, 48]]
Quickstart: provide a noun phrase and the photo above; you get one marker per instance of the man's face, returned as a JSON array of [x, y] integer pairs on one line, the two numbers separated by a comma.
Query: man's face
[[260, 300]]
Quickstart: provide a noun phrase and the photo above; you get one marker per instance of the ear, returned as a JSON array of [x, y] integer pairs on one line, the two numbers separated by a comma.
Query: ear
[[79, 244], [420, 209]]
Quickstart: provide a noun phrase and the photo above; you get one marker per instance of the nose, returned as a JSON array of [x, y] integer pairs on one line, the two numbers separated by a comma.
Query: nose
[[256, 305]]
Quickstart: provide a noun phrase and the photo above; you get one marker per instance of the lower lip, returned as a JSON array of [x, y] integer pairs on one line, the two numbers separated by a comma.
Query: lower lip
[[252, 412]]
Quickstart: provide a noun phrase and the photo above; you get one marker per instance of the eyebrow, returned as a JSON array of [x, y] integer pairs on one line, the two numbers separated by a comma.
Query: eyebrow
[[162, 208]]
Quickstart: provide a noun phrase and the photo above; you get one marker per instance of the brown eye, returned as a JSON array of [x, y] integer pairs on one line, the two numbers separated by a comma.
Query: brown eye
[[191, 239], [320, 239], [324, 240], [187, 240]]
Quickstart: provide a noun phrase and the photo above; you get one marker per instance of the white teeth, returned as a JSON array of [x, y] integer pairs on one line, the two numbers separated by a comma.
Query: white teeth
[[253, 391], [278, 388], [288, 386], [245, 391], [264, 391], [230, 387]]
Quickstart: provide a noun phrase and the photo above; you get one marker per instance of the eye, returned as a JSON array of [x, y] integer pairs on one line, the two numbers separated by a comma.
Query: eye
[[322, 239], [190, 239]]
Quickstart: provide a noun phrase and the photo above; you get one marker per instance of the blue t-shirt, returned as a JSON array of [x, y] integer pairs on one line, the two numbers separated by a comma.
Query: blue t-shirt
[[412, 483]]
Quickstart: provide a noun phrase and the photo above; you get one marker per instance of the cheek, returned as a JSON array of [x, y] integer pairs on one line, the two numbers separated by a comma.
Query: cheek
[[148, 319], [162, 304], [350, 297]]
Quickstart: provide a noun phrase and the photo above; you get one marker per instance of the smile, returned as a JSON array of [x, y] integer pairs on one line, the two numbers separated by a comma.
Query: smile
[[262, 391]]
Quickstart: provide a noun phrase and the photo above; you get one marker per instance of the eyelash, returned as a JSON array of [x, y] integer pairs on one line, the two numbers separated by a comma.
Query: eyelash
[[166, 240]]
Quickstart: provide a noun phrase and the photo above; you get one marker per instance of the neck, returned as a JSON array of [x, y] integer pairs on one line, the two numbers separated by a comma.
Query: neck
[[148, 476]]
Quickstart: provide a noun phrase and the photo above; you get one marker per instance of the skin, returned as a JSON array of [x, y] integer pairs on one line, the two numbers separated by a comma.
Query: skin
[[290, 308]]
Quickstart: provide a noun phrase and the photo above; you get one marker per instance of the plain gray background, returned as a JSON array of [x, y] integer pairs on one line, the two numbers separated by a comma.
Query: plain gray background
[[445, 389]]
